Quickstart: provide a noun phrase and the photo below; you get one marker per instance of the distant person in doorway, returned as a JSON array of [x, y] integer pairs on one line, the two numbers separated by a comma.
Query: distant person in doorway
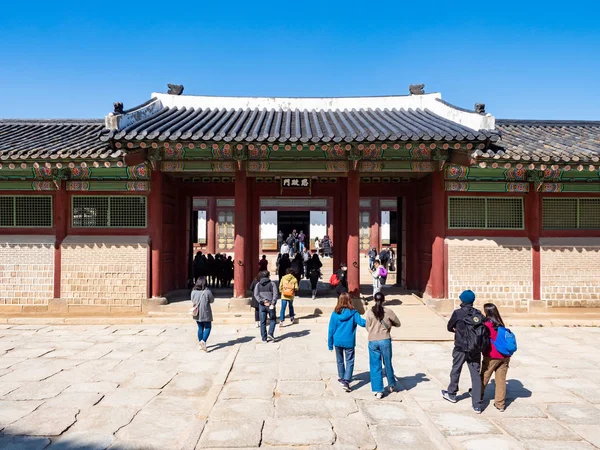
[[288, 286], [372, 257], [380, 321], [202, 298], [227, 271], [254, 301], [326, 245], [298, 267], [280, 239], [314, 273], [384, 258], [471, 338], [291, 243], [317, 245], [263, 263], [305, 261], [301, 240], [211, 270], [266, 294], [284, 265], [285, 250], [342, 275], [342, 336], [376, 275]]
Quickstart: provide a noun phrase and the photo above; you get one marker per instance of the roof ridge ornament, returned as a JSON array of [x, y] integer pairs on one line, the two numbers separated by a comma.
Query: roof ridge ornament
[[118, 108], [480, 108], [416, 89], [175, 89]]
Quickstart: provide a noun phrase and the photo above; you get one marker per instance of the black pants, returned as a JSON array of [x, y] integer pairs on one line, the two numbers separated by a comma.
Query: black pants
[[473, 361]]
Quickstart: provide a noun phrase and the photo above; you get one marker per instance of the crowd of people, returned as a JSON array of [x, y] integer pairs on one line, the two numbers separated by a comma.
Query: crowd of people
[[217, 270]]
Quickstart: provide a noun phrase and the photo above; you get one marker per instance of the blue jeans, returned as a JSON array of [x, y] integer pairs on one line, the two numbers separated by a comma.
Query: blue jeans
[[381, 352], [284, 304], [263, 312], [300, 246], [345, 371], [203, 330]]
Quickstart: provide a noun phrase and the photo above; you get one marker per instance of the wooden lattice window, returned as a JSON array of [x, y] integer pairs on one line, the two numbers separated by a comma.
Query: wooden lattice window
[[571, 213], [109, 211], [365, 230], [486, 213], [26, 211]]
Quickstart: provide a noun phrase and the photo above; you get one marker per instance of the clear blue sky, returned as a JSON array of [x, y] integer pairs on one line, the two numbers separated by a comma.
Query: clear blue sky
[[525, 59]]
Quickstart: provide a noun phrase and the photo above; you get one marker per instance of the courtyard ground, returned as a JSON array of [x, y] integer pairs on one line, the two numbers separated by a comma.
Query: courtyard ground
[[146, 386]]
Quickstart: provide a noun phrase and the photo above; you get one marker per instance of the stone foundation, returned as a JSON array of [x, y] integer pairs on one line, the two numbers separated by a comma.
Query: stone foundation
[[498, 270], [104, 271], [26, 270], [570, 271]]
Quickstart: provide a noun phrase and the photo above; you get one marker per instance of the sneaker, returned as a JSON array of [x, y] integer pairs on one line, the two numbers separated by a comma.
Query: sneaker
[[346, 386], [257, 324], [282, 324], [292, 321], [499, 409], [477, 410], [341, 381], [270, 338], [203, 346], [393, 388], [450, 397], [378, 395]]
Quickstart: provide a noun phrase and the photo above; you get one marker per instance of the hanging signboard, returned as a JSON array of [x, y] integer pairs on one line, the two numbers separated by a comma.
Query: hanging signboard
[[296, 183]]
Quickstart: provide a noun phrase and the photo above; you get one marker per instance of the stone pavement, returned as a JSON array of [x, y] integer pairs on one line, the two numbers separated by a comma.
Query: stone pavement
[[146, 386]]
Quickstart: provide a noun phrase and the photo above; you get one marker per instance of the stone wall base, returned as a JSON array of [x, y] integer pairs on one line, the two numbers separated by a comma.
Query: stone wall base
[[515, 306]]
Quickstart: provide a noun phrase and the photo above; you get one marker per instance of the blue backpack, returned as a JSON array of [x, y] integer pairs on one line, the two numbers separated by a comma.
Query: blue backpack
[[506, 342]]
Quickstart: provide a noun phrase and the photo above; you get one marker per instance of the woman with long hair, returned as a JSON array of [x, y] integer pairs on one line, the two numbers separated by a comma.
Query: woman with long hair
[[342, 336], [202, 297], [314, 273], [380, 321], [494, 362]]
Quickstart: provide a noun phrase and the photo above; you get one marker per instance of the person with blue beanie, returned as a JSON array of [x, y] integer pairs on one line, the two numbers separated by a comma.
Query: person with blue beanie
[[342, 335], [471, 338]]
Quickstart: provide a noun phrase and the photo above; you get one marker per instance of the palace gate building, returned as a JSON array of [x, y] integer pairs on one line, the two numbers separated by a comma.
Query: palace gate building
[[102, 215]]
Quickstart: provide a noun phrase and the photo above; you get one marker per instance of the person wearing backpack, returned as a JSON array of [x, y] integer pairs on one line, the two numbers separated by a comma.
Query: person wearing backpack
[[339, 280], [288, 286], [379, 324], [202, 297], [342, 335], [266, 293], [497, 358], [471, 338]]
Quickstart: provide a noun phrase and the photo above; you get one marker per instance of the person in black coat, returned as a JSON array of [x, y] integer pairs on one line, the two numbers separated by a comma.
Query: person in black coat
[[284, 264], [298, 267], [342, 274], [314, 272]]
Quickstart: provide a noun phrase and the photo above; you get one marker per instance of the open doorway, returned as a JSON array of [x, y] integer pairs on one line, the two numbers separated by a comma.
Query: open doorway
[[288, 221]]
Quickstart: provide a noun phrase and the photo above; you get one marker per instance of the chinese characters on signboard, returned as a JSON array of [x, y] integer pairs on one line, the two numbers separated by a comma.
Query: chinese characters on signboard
[[299, 182]]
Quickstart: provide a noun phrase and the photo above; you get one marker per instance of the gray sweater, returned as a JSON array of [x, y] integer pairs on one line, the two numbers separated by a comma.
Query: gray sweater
[[203, 299]]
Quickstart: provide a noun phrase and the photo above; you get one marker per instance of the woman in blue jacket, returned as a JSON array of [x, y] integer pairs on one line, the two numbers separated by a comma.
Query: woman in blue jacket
[[342, 336]]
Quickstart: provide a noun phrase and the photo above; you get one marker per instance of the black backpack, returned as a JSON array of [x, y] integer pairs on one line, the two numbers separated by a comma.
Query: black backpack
[[477, 335]]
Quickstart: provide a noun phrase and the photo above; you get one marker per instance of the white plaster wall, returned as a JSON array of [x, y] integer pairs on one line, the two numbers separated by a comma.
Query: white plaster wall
[[201, 226], [318, 224], [268, 224], [385, 226]]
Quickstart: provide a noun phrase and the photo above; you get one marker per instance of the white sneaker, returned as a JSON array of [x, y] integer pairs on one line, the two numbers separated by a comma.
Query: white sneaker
[[378, 395], [203, 346], [257, 324]]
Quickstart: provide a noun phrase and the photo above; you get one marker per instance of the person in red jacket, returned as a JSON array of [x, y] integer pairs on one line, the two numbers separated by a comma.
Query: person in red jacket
[[493, 361]]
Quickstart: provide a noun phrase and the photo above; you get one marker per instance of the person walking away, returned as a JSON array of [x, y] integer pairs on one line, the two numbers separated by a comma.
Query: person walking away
[[372, 257], [288, 286], [326, 245], [228, 271], [266, 294], [342, 276], [301, 240], [384, 259], [284, 265], [314, 267], [380, 321], [298, 267], [376, 274], [254, 301], [279, 240], [471, 338], [305, 261], [197, 260], [211, 267], [263, 264], [342, 335], [202, 298], [291, 241], [497, 357]]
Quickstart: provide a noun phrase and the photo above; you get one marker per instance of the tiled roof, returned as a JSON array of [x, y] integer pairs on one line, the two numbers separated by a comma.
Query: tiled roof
[[219, 124], [547, 141], [53, 139]]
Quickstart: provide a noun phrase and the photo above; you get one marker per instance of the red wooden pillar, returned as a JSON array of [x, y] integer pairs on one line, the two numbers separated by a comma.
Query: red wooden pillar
[[256, 238], [339, 236], [375, 219], [241, 233], [61, 223], [532, 222], [211, 226], [156, 226], [412, 239], [438, 232], [353, 227]]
